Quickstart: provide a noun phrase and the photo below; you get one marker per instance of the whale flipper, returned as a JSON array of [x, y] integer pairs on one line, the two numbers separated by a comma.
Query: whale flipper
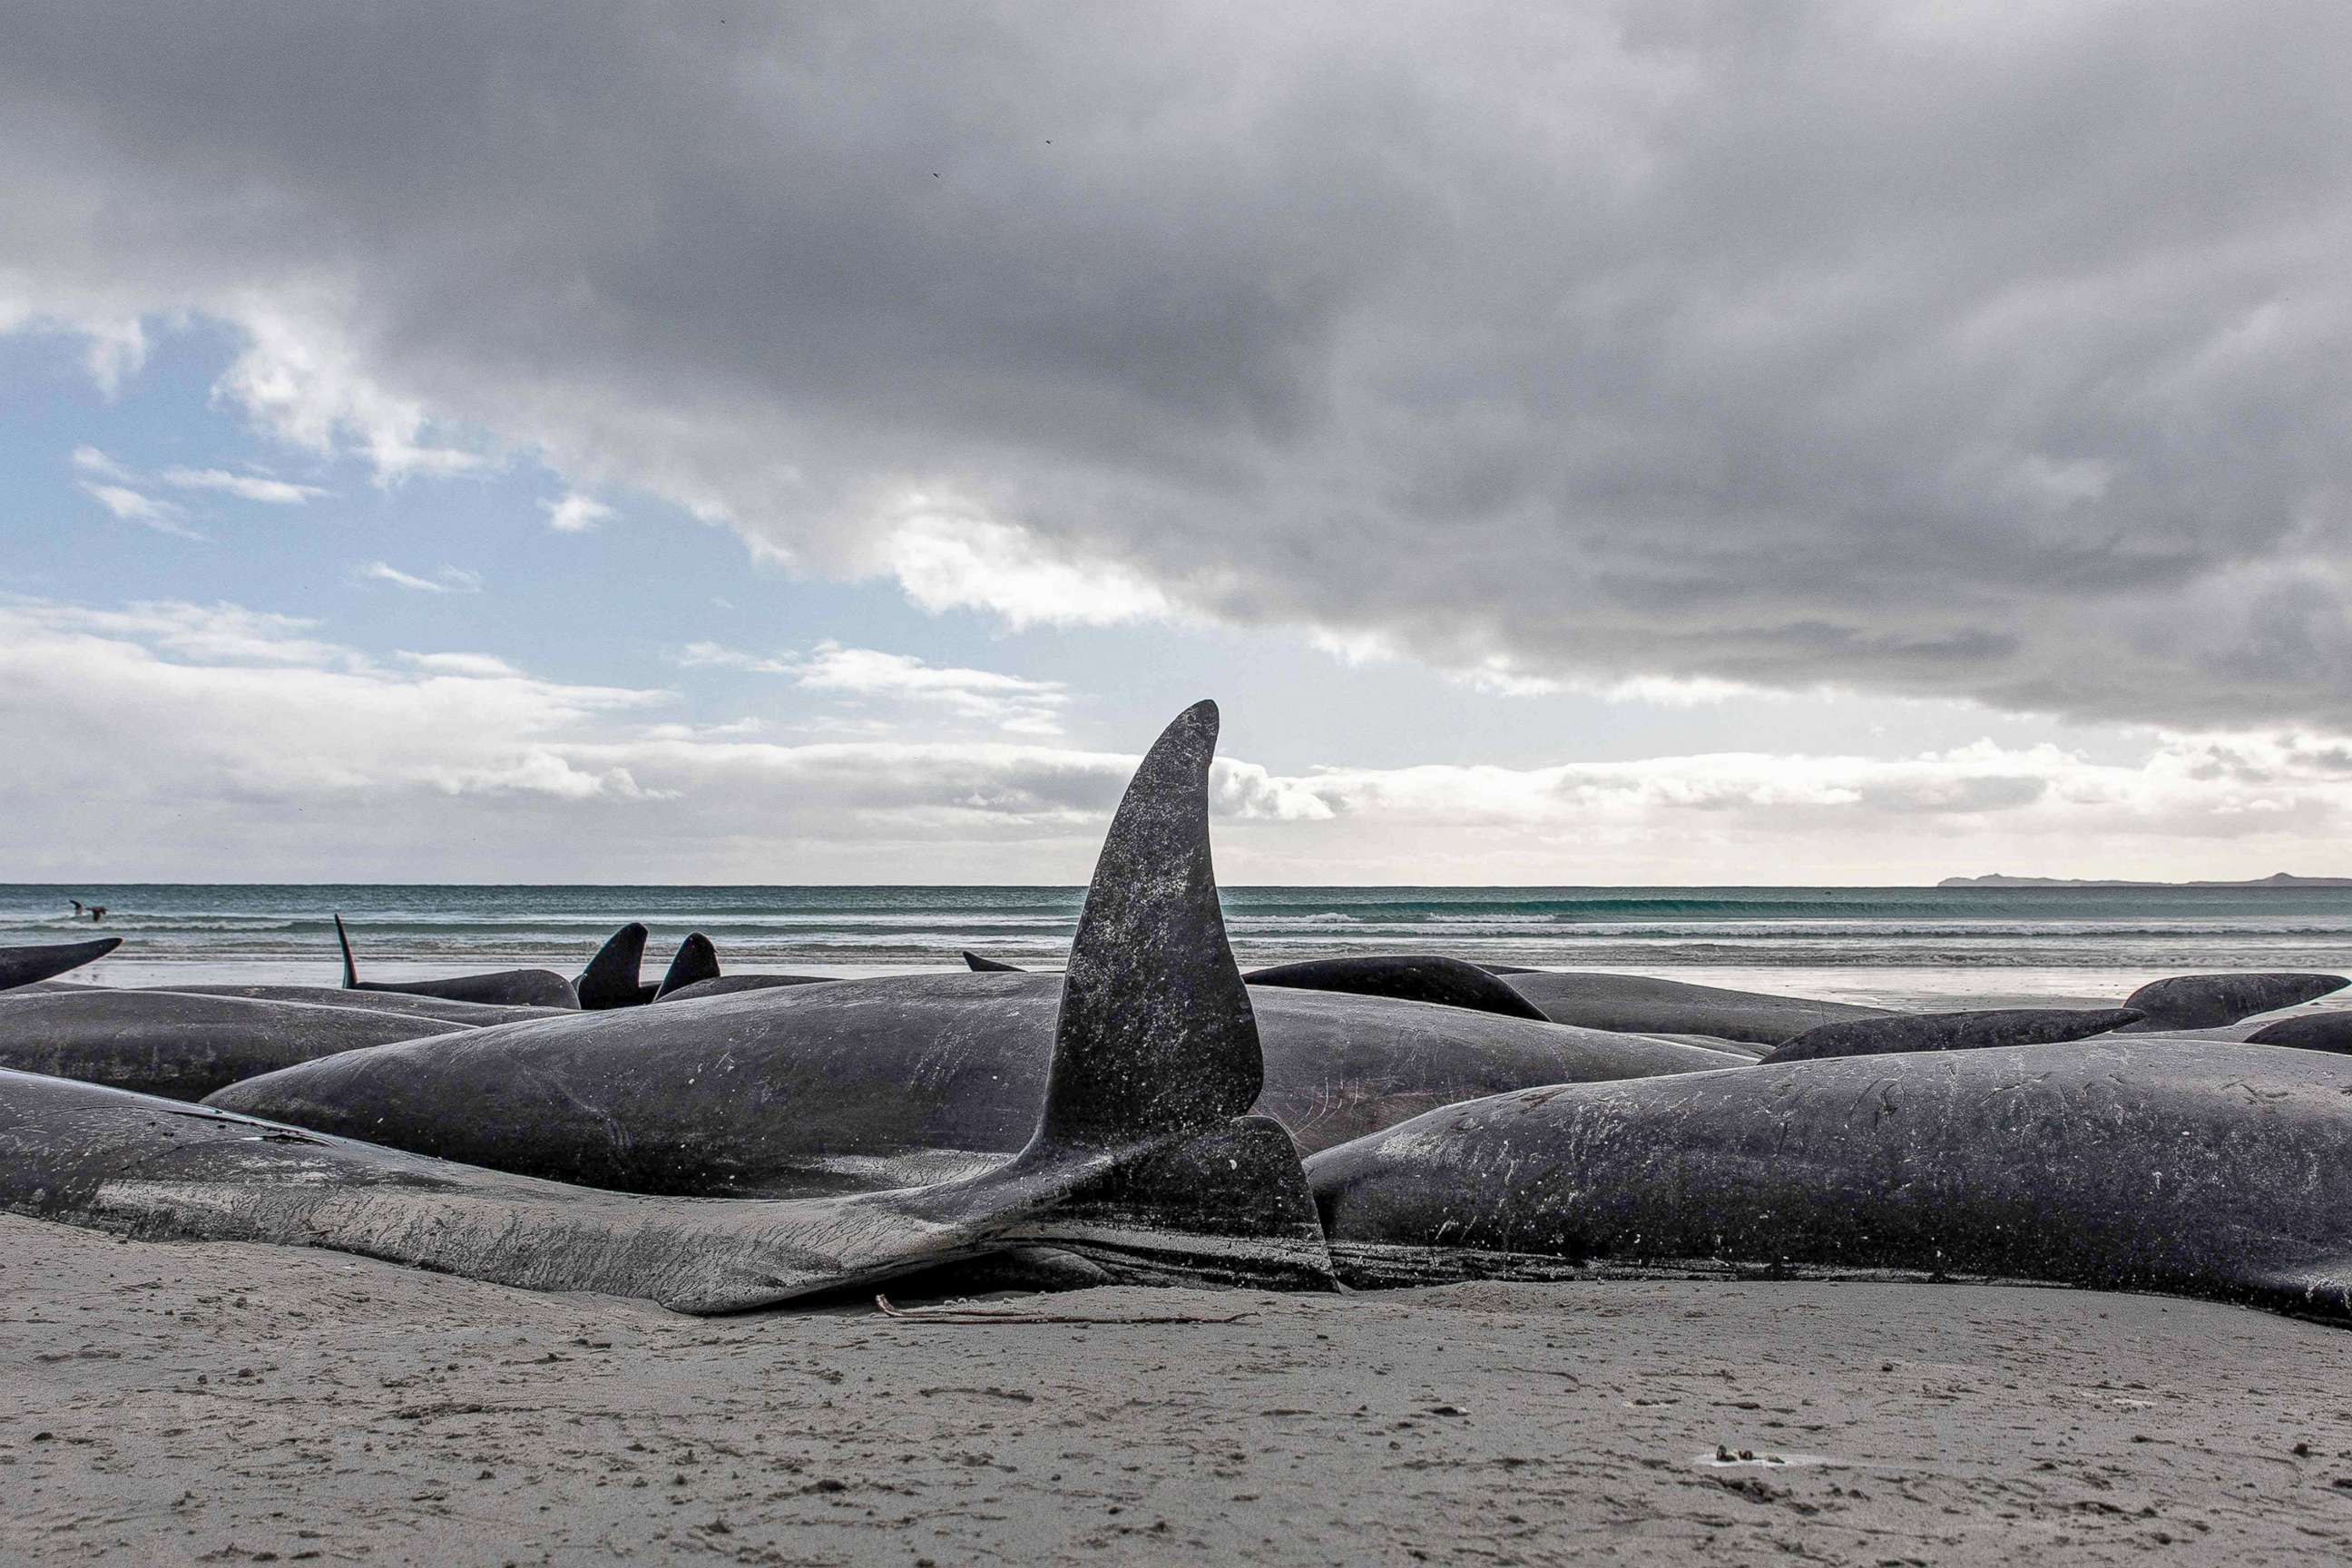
[[26, 965], [979, 965], [697, 960], [611, 978]]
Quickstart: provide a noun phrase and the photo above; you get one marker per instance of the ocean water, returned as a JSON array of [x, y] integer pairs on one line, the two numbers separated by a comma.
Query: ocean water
[[1863, 942]]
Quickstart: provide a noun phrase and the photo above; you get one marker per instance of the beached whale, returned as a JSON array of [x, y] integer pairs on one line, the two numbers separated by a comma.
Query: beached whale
[[1410, 977], [1973, 1031], [1641, 1005], [1141, 1159], [1223, 1205], [865, 1083], [473, 1014], [505, 987], [729, 984], [2204, 1169], [180, 1046], [2207, 1001], [2328, 1031], [31, 965]]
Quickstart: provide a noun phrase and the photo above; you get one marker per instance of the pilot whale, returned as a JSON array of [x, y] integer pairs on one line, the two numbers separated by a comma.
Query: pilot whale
[[2214, 1001], [1413, 977], [182, 1046], [1972, 1031], [2205, 1169], [505, 987], [1409, 977], [1650, 1006]]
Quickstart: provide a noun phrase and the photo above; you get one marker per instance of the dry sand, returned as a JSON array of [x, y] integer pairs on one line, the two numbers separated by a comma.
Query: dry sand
[[234, 1404]]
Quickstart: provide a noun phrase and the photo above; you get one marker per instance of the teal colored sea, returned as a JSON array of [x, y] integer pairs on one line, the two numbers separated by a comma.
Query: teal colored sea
[[1855, 941]]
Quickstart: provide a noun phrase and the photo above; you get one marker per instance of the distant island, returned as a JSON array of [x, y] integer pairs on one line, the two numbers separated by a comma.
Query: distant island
[[2278, 879]]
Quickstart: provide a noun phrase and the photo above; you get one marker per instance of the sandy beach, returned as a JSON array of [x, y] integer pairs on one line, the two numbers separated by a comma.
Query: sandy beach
[[232, 1404]]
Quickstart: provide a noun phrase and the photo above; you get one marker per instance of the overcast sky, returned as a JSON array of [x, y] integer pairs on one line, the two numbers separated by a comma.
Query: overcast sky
[[709, 441]]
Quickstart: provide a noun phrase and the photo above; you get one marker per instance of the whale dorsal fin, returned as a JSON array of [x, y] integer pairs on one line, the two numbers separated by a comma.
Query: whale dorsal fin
[[611, 978], [1156, 1037], [351, 970], [697, 960]]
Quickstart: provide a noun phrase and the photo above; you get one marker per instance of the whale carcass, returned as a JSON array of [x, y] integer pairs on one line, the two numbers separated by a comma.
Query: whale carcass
[[2199, 1169]]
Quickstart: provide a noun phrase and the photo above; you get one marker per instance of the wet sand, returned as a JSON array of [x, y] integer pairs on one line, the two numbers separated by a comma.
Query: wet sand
[[233, 1403]]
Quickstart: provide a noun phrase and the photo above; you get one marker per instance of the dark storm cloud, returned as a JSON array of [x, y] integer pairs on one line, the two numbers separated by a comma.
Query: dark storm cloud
[[1993, 351]]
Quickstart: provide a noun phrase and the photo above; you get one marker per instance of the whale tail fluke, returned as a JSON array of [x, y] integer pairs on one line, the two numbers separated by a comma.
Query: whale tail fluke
[[1229, 1207]]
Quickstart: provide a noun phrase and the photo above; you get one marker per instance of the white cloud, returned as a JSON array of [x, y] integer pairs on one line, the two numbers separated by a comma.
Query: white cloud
[[220, 712], [131, 506], [217, 633], [480, 665], [734, 730], [1501, 675], [1010, 702], [447, 580], [2223, 806], [114, 485], [713, 655], [245, 487], [213, 740], [301, 378], [575, 513], [953, 559], [90, 460], [115, 351]]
